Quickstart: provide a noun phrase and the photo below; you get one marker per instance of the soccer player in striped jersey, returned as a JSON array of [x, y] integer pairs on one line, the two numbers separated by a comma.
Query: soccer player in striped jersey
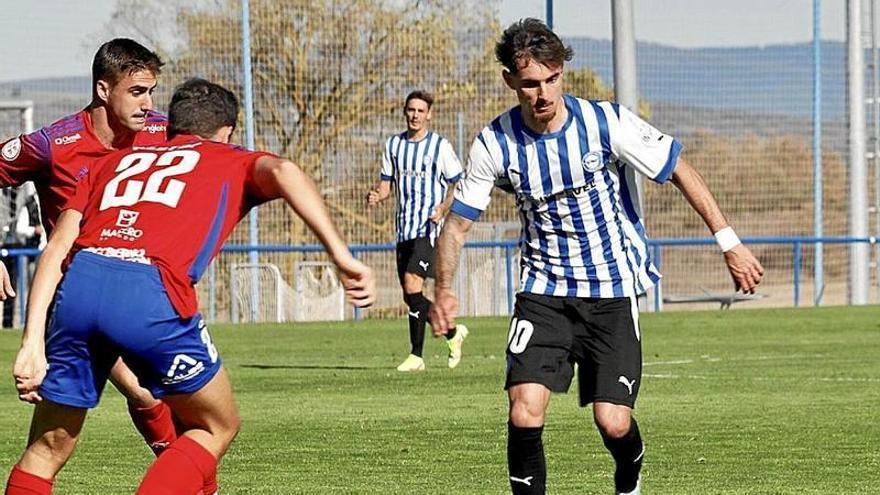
[[120, 114], [583, 247], [421, 166]]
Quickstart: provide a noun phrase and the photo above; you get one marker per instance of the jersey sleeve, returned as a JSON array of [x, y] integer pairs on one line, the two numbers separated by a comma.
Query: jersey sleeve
[[640, 145], [253, 195], [474, 191], [449, 163], [387, 172], [24, 158]]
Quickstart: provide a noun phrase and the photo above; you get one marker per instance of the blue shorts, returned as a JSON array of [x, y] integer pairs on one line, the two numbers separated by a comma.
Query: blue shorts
[[106, 308]]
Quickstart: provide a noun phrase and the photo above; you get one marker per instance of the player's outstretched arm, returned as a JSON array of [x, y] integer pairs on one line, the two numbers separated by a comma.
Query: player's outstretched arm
[[445, 307], [744, 268], [278, 178], [379, 193], [30, 363]]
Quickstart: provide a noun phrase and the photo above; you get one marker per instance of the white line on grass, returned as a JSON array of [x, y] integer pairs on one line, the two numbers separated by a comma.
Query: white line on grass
[[713, 359]]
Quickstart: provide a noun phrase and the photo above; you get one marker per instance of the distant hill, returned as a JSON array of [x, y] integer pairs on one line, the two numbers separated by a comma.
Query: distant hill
[[775, 79], [727, 90]]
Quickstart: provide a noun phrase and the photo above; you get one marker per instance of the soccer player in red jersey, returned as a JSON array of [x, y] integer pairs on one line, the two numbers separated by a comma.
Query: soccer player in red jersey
[[120, 114], [142, 220]]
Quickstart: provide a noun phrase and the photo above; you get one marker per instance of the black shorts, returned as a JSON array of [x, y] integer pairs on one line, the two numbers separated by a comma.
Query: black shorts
[[415, 256], [548, 335]]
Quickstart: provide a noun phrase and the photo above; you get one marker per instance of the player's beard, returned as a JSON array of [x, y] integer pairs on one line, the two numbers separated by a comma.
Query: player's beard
[[544, 112]]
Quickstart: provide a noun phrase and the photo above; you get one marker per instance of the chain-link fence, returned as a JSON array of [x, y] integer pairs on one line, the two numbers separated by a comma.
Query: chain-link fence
[[329, 78]]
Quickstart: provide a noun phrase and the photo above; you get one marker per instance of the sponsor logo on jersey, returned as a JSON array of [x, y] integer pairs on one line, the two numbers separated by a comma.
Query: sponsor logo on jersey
[[155, 128], [568, 193], [414, 173], [592, 161], [127, 254], [125, 234], [183, 368], [68, 139], [11, 150], [127, 218]]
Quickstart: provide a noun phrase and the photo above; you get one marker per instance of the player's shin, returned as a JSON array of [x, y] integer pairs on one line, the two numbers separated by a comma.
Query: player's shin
[[182, 469], [525, 460], [628, 452], [419, 305], [155, 424]]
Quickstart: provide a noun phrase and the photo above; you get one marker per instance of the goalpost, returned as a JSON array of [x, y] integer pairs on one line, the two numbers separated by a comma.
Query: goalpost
[[317, 294], [25, 109]]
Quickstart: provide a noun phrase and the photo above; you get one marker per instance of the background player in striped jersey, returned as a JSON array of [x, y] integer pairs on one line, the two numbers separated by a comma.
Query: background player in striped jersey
[[420, 165], [135, 295], [583, 245], [120, 114]]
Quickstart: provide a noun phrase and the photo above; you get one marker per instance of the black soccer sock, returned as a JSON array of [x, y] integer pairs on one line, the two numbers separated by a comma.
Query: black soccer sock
[[628, 452], [418, 316], [525, 460]]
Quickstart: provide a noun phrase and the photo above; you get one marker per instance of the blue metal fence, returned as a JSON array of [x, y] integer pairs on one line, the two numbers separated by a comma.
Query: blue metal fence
[[509, 246]]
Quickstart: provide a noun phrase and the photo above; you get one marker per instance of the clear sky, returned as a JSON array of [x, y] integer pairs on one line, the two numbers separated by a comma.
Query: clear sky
[[41, 38]]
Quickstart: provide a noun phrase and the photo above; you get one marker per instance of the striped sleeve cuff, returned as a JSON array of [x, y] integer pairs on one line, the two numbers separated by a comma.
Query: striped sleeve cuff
[[385, 177], [465, 211], [453, 180], [671, 161]]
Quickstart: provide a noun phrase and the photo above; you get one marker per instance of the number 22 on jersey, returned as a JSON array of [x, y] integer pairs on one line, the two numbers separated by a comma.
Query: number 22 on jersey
[[122, 190]]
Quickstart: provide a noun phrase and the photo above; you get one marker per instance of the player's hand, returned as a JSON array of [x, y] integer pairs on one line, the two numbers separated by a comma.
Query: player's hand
[[443, 311], [745, 269], [438, 214], [373, 197], [358, 281], [29, 371], [6, 290]]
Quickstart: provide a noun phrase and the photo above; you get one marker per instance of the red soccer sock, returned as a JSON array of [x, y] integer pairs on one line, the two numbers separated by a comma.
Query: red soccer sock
[[22, 483], [156, 425], [182, 469], [211, 486]]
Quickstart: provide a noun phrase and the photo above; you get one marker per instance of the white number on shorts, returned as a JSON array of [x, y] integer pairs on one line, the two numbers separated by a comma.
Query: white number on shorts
[[175, 162], [206, 339], [520, 333]]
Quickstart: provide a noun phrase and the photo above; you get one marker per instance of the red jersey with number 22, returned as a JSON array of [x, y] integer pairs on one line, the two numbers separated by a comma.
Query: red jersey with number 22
[[171, 206]]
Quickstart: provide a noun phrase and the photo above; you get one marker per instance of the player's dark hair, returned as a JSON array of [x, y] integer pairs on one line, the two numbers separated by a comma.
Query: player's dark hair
[[120, 57], [201, 108], [420, 94], [531, 39]]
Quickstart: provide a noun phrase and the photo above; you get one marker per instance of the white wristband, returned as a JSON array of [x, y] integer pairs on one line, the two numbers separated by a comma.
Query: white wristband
[[727, 239]]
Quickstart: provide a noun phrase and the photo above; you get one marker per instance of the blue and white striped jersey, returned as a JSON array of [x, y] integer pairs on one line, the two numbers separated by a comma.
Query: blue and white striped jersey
[[582, 235], [421, 172]]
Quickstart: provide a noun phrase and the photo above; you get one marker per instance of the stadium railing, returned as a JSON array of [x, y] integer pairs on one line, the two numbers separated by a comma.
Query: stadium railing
[[509, 246]]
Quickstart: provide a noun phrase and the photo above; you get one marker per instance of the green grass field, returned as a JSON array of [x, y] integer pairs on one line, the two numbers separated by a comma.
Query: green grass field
[[742, 402]]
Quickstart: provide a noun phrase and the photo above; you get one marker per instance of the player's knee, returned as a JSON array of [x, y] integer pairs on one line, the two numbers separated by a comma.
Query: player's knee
[[228, 429], [139, 397], [128, 385], [613, 425], [412, 283], [526, 414]]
